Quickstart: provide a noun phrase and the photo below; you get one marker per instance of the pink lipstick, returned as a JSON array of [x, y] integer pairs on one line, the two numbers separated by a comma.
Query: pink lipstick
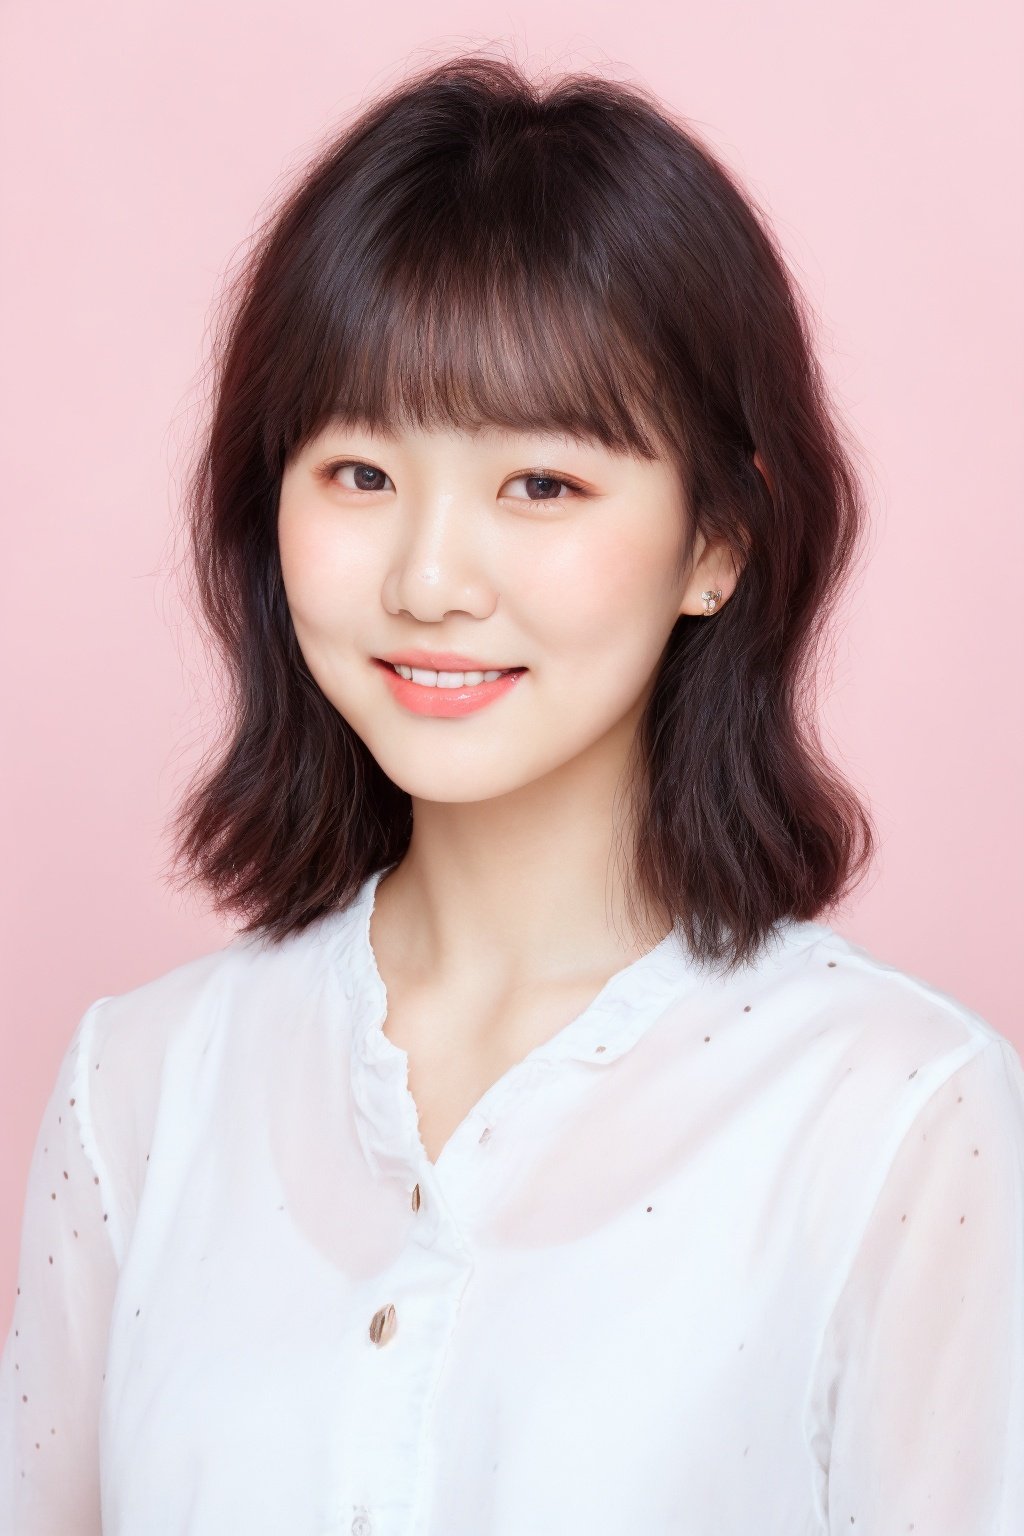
[[448, 703]]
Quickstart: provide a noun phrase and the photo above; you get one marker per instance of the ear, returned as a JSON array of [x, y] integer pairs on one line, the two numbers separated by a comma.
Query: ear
[[765, 476], [715, 570]]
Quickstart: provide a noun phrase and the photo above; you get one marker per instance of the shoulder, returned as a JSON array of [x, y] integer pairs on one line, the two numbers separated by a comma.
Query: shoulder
[[886, 990], [248, 970], [898, 1035], [145, 1051], [249, 977], [894, 1081]]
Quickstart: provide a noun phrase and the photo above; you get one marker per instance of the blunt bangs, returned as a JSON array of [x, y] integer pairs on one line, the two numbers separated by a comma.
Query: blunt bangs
[[514, 352]]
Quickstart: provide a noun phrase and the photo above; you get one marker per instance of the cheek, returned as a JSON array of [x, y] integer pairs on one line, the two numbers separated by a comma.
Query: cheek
[[320, 578], [607, 599]]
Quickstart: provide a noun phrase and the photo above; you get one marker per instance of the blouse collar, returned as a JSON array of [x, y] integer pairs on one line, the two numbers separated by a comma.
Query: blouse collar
[[629, 1002]]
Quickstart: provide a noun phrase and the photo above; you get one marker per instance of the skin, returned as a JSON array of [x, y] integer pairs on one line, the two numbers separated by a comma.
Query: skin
[[506, 915]]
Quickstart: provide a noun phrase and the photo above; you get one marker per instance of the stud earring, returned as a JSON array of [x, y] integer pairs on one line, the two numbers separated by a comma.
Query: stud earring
[[711, 600]]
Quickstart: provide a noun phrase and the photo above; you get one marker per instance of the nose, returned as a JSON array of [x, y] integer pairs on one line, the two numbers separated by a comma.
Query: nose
[[438, 566]]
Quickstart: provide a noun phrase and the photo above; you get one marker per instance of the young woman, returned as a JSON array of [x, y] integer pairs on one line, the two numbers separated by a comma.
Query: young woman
[[534, 1159]]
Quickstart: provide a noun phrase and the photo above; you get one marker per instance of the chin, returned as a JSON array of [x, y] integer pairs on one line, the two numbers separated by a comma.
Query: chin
[[449, 779]]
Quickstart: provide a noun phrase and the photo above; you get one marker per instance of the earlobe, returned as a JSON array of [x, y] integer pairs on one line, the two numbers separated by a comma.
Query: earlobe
[[711, 602], [713, 579]]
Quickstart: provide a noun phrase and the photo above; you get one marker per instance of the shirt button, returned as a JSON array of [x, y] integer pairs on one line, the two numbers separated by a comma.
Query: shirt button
[[361, 1525], [383, 1324], [415, 1197]]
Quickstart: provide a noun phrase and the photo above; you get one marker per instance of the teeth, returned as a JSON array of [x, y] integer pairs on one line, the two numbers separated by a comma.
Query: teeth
[[446, 679]]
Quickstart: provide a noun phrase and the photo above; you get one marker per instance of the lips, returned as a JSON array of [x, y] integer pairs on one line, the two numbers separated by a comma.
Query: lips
[[443, 703], [445, 661]]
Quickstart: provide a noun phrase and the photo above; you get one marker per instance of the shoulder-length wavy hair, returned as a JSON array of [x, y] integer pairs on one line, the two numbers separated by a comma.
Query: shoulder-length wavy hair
[[475, 249]]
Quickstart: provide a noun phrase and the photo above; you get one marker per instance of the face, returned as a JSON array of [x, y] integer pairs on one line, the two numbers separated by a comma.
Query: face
[[516, 551]]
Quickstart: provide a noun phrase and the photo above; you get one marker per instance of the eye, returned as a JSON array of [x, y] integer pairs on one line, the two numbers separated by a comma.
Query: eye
[[367, 477], [546, 479]]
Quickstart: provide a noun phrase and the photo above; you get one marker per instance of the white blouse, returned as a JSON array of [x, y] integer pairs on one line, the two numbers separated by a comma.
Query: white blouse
[[725, 1255]]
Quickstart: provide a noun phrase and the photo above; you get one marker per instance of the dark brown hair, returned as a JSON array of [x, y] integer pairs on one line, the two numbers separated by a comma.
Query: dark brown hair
[[476, 249]]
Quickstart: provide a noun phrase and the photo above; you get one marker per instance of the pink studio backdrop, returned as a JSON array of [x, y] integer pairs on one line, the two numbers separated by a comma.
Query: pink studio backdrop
[[138, 144]]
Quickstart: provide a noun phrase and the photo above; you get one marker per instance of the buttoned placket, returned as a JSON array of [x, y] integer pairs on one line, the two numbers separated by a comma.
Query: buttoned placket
[[408, 1330], [406, 1344], [406, 1334]]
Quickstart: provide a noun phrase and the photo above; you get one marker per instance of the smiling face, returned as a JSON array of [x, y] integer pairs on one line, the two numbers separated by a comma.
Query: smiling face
[[517, 550]]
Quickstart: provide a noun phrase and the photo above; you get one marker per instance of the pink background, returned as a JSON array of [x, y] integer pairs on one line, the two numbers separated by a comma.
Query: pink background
[[140, 142]]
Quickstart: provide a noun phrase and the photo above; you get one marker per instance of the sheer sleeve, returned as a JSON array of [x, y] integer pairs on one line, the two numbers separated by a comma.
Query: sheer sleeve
[[924, 1355], [53, 1361]]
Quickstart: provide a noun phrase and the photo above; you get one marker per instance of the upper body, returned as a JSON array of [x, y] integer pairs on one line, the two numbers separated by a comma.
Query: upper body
[[518, 383], [725, 1253]]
